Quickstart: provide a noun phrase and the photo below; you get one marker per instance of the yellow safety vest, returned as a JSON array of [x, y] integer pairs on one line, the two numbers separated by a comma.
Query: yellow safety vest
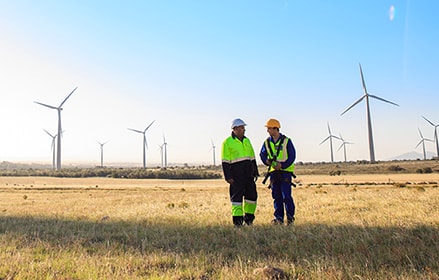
[[280, 152]]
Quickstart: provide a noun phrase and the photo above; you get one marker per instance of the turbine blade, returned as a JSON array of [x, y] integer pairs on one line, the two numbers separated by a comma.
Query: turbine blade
[[48, 133], [149, 126], [325, 140], [382, 99], [356, 102], [341, 146], [67, 97], [422, 137], [341, 138], [329, 129], [102, 144], [362, 80], [49, 106], [135, 130], [144, 140], [429, 121]]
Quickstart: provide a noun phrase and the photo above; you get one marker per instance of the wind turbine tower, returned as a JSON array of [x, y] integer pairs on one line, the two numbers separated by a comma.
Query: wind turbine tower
[[102, 153], [330, 142], [366, 96], [423, 143], [52, 148], [59, 109], [145, 144], [165, 152], [161, 155], [213, 153], [435, 135]]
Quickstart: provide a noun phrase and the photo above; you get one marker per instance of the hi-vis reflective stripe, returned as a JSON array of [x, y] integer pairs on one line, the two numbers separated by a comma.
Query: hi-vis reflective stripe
[[284, 151], [238, 159], [236, 203], [250, 201]]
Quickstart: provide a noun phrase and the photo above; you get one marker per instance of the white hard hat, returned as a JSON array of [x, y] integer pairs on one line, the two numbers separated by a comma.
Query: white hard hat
[[237, 122]]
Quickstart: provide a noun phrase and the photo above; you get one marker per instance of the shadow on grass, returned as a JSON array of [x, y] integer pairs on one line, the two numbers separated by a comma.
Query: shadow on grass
[[352, 247]]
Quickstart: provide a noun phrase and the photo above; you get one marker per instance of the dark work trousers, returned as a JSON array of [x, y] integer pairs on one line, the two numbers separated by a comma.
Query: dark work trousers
[[243, 188], [281, 193]]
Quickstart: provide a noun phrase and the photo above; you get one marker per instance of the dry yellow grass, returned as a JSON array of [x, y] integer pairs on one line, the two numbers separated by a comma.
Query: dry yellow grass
[[356, 226]]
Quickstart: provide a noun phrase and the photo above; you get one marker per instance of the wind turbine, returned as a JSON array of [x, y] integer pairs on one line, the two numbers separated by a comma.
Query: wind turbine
[[59, 109], [330, 142], [161, 155], [343, 145], [145, 144], [165, 152], [435, 135], [213, 153], [52, 148], [102, 152], [366, 96], [423, 143]]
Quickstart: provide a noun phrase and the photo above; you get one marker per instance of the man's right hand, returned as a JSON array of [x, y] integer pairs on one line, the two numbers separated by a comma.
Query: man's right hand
[[230, 181]]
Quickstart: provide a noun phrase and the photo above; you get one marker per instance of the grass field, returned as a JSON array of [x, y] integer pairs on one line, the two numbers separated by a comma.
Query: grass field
[[347, 227]]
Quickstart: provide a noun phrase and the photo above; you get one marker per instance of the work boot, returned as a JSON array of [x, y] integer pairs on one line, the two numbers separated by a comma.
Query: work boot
[[277, 222], [248, 219], [238, 221], [290, 221]]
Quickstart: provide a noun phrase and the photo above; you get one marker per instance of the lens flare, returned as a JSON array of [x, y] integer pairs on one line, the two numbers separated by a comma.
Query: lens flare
[[392, 13]]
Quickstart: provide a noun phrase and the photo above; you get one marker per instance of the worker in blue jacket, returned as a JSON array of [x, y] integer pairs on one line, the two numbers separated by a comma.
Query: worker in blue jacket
[[279, 154]]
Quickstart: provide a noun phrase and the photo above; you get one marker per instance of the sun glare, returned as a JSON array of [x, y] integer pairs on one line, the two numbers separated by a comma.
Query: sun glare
[[391, 12]]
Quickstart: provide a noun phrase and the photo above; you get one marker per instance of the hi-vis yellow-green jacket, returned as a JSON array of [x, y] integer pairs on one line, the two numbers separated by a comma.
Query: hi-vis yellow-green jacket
[[238, 158]]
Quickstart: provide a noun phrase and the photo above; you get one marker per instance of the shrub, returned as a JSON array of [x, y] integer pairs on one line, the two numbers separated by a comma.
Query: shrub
[[396, 168], [335, 173], [425, 170]]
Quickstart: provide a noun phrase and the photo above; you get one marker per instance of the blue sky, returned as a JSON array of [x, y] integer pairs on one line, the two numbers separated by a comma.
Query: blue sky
[[193, 66]]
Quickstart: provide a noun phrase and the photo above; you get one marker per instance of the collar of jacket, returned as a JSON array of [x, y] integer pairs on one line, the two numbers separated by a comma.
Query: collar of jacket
[[234, 136], [278, 139]]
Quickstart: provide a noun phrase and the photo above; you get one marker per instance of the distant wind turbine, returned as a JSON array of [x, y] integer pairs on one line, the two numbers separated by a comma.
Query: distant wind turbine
[[102, 152], [423, 143], [59, 109], [435, 135], [161, 155], [366, 96], [145, 144], [343, 145], [52, 148], [330, 142], [213, 153], [165, 152]]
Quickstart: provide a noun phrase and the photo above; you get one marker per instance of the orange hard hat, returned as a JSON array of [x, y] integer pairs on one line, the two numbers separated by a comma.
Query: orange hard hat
[[272, 123]]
